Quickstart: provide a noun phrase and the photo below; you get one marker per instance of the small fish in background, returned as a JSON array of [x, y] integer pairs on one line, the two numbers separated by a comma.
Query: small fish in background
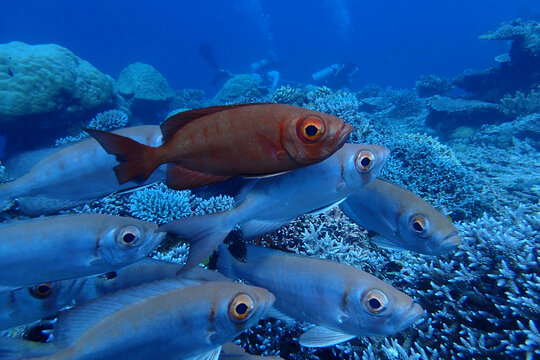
[[141, 272], [26, 305], [62, 247], [231, 351], [266, 204], [343, 301], [63, 177], [404, 220], [169, 319], [209, 145]]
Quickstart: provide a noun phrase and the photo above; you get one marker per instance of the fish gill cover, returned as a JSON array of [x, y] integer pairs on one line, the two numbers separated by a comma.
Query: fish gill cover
[[466, 141]]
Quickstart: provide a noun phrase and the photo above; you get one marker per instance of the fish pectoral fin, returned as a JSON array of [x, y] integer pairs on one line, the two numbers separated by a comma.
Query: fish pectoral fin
[[386, 243], [265, 176], [180, 178], [211, 355], [276, 314], [325, 208], [319, 336]]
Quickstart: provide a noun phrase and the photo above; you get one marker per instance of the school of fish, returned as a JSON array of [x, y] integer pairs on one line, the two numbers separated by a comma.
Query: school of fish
[[124, 305]]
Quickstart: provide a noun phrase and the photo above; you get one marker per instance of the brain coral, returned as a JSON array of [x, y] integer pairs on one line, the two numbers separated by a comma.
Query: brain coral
[[47, 86]]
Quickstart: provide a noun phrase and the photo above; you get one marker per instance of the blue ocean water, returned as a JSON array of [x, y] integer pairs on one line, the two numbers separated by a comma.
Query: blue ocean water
[[393, 42], [452, 89]]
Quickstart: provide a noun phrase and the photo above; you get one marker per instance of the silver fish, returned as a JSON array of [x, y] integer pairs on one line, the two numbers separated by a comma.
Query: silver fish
[[167, 319], [71, 246], [141, 272], [71, 175], [403, 219], [26, 305], [231, 351], [343, 301], [267, 204]]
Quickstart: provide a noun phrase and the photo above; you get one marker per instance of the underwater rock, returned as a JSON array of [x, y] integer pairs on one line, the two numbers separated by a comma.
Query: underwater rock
[[520, 73], [447, 113], [241, 85], [430, 85], [145, 90], [46, 88]]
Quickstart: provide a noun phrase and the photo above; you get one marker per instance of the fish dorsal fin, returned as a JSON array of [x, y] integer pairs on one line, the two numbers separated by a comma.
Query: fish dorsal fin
[[178, 120], [211, 355], [319, 336], [74, 322]]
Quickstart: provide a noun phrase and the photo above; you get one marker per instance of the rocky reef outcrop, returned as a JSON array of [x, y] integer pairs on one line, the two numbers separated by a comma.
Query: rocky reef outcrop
[[47, 87]]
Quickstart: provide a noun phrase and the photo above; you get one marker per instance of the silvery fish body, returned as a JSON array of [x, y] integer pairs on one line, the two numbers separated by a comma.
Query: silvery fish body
[[343, 301], [71, 246], [168, 319], [402, 218], [26, 305], [268, 203], [231, 351], [143, 271], [72, 175]]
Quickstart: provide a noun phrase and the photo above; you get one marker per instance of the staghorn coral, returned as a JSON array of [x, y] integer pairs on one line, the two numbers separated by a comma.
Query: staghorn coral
[[522, 104], [160, 204], [288, 95]]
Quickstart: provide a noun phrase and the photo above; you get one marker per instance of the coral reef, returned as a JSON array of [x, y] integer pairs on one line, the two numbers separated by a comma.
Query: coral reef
[[446, 114], [188, 99], [145, 91], [243, 85], [106, 121], [520, 70], [46, 88], [288, 95], [522, 103], [430, 85]]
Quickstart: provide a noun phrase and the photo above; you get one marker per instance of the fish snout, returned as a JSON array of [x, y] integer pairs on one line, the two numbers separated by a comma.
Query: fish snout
[[343, 134], [449, 243], [413, 314]]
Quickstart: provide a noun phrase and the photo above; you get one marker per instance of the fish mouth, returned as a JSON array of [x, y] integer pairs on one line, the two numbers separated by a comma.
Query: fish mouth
[[344, 131], [449, 242], [411, 316]]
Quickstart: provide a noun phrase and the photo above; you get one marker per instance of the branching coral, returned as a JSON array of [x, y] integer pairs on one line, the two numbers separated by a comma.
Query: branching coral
[[288, 95], [522, 104], [105, 121]]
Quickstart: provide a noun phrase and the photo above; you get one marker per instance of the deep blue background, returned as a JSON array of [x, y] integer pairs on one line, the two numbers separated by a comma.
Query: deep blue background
[[394, 42]]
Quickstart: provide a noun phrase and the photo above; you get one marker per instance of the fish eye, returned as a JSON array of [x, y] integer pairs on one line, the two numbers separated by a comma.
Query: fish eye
[[129, 236], [419, 224], [41, 291], [364, 161], [375, 301], [240, 308], [312, 128]]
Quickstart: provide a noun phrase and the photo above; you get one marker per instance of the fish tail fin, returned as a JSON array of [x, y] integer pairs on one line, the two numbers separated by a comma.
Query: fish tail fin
[[203, 233], [12, 348], [226, 262], [137, 161]]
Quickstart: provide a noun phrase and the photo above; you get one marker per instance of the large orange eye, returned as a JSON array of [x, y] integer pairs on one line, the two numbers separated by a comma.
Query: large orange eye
[[312, 128], [375, 301], [41, 291], [129, 236], [365, 161], [419, 224], [241, 308]]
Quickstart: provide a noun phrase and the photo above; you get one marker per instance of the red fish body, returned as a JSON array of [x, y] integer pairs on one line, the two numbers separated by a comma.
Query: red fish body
[[213, 144]]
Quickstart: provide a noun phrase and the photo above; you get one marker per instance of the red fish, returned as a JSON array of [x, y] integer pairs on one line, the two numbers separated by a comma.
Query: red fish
[[212, 144]]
